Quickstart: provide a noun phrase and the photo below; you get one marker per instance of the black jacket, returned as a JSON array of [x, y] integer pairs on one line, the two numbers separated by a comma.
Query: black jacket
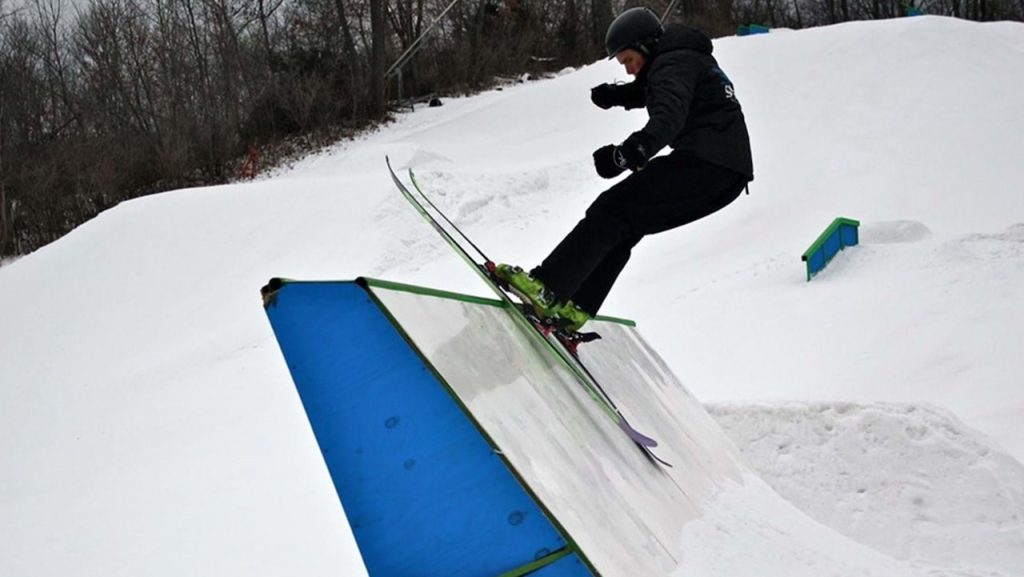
[[691, 103]]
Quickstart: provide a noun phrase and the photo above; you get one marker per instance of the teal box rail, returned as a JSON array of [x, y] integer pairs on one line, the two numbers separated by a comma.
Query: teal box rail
[[839, 235], [748, 29]]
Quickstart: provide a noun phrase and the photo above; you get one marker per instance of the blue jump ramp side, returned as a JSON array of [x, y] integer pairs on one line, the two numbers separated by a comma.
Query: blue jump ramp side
[[460, 446]]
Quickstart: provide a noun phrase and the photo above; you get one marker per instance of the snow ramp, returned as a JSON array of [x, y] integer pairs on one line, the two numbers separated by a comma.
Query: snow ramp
[[460, 445]]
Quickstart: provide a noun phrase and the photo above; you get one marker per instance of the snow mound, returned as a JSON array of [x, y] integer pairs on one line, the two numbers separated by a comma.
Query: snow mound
[[894, 232], [911, 481]]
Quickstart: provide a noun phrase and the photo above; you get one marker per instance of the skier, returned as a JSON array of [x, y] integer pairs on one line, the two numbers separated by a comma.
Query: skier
[[692, 107]]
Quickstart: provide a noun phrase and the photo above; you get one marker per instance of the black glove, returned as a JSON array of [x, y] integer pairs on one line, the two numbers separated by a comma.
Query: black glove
[[604, 162], [631, 154], [605, 96], [611, 160]]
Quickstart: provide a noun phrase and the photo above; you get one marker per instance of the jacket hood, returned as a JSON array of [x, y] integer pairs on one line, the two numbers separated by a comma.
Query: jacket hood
[[679, 37]]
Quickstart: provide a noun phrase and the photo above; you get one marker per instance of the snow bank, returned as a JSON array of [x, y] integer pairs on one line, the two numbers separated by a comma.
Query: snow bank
[[911, 481]]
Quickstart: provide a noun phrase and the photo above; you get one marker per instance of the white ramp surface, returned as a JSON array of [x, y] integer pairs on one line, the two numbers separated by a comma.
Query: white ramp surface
[[626, 513]]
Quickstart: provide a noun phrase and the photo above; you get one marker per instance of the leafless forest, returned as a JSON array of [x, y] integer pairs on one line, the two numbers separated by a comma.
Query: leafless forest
[[105, 100]]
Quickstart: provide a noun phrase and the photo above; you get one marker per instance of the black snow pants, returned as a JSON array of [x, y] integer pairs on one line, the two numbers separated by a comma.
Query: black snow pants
[[671, 191]]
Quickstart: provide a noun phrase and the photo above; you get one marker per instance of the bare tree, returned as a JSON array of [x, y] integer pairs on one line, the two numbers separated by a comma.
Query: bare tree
[[265, 11], [352, 61], [5, 227], [50, 24], [600, 18], [127, 97], [377, 56]]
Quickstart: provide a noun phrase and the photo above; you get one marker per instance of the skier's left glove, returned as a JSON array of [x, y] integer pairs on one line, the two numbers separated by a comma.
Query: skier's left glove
[[604, 162], [632, 153], [610, 160]]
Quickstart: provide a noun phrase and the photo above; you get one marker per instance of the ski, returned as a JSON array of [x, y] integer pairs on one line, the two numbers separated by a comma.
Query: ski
[[562, 344], [569, 342]]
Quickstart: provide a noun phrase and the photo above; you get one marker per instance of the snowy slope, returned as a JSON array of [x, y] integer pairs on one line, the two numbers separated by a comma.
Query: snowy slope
[[148, 425]]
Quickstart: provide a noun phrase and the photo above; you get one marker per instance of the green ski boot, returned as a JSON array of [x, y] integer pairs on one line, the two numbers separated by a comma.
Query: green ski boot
[[571, 318], [528, 288], [568, 316]]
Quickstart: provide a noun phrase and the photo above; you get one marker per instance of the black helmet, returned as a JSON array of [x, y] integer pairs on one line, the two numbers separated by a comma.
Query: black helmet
[[636, 28]]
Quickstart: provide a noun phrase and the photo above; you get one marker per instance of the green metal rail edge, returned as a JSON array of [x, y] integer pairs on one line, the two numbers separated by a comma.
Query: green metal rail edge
[[828, 232], [538, 564], [272, 288], [377, 283], [276, 284]]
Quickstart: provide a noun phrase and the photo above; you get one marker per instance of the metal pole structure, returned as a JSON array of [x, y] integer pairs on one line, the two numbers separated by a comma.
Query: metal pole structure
[[4, 231], [399, 73], [414, 47], [668, 10]]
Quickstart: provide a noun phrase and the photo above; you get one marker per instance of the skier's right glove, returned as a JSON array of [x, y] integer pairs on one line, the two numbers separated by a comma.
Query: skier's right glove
[[605, 96]]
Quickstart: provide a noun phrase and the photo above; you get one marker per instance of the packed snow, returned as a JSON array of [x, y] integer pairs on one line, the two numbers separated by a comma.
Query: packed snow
[[148, 424], [910, 481]]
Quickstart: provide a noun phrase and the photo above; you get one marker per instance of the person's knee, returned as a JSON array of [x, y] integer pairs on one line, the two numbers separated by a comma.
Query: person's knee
[[611, 220], [599, 212]]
